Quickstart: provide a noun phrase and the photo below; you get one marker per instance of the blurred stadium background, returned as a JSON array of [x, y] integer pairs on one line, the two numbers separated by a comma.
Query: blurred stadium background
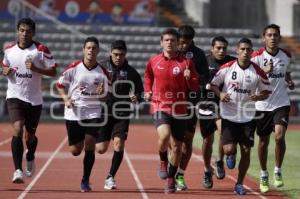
[[62, 25]]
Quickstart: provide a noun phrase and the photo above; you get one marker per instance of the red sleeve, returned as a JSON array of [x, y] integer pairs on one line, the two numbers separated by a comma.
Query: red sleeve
[[193, 82], [148, 77]]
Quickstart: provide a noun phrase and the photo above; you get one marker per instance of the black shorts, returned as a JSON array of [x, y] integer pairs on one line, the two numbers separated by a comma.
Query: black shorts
[[266, 120], [77, 129], [114, 128], [242, 133], [19, 110], [207, 126], [178, 125]]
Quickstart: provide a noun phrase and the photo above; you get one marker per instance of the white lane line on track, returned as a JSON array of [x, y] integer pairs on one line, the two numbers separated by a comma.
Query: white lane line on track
[[5, 141], [43, 169], [200, 157], [135, 176]]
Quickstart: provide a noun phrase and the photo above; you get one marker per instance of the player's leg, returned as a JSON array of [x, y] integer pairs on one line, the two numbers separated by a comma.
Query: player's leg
[[16, 110], [31, 124]]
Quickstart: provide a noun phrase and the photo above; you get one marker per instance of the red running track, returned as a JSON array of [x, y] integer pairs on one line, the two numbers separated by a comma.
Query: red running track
[[58, 173]]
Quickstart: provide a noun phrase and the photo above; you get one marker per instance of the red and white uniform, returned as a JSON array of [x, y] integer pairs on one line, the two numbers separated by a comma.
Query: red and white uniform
[[240, 84], [165, 79], [281, 62], [82, 83], [23, 83]]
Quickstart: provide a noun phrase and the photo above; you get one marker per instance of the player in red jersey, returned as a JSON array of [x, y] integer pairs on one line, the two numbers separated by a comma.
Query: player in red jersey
[[167, 79]]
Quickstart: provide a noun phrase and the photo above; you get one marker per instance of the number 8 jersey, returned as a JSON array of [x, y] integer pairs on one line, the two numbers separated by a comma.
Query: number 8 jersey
[[240, 84]]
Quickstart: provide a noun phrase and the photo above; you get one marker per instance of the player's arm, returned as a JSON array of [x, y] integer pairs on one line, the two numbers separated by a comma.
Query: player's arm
[[264, 89], [6, 69], [148, 82], [51, 71], [290, 82], [67, 99], [215, 85]]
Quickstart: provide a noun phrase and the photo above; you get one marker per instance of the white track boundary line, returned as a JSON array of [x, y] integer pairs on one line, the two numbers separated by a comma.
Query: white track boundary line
[[5, 141], [135, 176], [200, 157], [40, 173]]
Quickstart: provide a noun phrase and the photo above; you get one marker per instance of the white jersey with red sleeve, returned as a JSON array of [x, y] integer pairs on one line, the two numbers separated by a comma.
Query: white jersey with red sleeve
[[82, 83], [165, 79], [240, 84], [23, 83], [281, 62]]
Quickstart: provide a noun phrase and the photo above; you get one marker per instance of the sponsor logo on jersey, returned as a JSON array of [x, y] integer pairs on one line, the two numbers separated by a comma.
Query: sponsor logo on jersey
[[176, 70], [240, 90], [274, 75], [248, 79], [26, 75], [159, 67]]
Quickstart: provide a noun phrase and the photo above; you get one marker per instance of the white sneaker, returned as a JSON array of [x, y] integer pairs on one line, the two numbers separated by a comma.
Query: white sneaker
[[30, 168], [110, 183], [18, 177]]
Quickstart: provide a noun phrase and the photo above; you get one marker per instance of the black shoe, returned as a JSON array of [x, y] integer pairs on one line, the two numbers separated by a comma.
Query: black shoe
[[220, 171], [207, 180]]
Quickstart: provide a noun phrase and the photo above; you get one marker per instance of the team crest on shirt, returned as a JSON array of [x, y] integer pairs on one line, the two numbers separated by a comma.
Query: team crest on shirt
[[189, 55], [248, 79], [176, 70], [123, 73]]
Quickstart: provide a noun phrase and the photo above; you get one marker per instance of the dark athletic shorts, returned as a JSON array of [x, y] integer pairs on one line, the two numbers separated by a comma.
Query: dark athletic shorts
[[78, 129], [178, 126], [114, 128], [233, 132], [19, 110], [266, 120]]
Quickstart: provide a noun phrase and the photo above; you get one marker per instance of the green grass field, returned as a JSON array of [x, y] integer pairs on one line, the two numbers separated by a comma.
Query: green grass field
[[291, 164]]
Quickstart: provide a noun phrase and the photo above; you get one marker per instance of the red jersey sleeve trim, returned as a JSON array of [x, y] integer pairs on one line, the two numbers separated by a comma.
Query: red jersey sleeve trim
[[257, 52], [59, 85], [10, 46], [259, 71], [42, 48], [227, 65]]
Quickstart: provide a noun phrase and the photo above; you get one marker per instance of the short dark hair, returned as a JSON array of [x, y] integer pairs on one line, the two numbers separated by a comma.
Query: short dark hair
[[186, 32], [91, 39], [28, 21], [220, 39], [119, 44], [169, 31], [245, 40], [273, 26]]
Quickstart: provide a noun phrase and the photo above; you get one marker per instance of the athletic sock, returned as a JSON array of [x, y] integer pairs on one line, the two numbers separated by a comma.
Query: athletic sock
[[171, 170], [116, 162], [88, 163], [163, 156], [180, 172], [264, 173], [31, 146], [17, 149]]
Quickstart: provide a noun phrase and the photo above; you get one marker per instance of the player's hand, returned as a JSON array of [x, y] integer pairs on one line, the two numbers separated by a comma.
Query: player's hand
[[6, 70], [132, 96], [69, 103], [147, 96], [29, 64], [254, 98], [187, 73], [225, 97], [291, 85], [269, 67], [100, 88]]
